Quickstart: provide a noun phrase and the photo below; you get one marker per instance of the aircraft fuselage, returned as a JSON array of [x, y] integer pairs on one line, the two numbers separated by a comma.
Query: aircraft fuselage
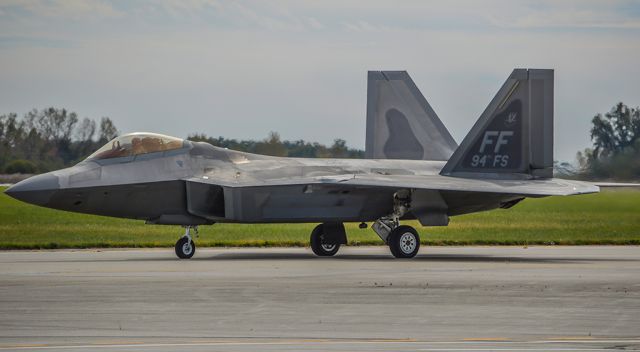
[[158, 188]]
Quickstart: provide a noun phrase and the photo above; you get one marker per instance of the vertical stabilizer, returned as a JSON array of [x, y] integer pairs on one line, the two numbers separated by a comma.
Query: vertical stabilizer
[[513, 138], [400, 122]]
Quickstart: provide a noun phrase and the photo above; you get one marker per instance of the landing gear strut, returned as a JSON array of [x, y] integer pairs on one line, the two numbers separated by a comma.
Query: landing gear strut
[[185, 248], [403, 240]]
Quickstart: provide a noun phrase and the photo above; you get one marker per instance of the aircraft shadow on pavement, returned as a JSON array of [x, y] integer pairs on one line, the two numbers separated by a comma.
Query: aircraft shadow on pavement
[[420, 258], [460, 258]]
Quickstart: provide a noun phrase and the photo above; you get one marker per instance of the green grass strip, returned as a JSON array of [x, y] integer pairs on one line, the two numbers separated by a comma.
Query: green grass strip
[[611, 217]]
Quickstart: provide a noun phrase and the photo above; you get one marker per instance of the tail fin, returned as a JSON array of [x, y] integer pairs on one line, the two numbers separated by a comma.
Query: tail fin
[[400, 122], [513, 139]]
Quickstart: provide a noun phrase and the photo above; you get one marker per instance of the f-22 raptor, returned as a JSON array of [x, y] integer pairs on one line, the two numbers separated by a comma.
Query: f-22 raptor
[[413, 170]]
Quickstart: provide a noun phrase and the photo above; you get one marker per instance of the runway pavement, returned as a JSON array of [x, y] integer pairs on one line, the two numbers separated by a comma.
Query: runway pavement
[[446, 299]]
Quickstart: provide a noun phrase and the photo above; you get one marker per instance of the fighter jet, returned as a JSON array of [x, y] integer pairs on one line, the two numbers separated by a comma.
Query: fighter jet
[[414, 170]]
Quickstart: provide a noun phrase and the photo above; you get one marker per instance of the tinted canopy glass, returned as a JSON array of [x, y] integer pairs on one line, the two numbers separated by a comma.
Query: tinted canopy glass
[[136, 144]]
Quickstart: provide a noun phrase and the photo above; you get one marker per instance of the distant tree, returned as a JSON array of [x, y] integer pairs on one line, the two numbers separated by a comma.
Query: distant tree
[[339, 149], [52, 124], [300, 149], [322, 151], [616, 130], [56, 127], [49, 139], [108, 130], [84, 136], [272, 145], [11, 133], [20, 167], [86, 130], [616, 145]]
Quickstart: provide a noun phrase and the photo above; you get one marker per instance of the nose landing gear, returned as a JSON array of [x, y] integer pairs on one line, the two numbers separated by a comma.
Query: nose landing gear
[[185, 248]]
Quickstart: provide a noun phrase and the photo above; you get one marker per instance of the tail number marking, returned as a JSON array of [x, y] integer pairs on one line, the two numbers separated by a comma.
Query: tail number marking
[[499, 160], [495, 139], [490, 135]]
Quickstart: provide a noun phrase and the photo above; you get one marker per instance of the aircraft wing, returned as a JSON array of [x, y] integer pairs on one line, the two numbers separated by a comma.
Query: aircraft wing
[[546, 187], [616, 184]]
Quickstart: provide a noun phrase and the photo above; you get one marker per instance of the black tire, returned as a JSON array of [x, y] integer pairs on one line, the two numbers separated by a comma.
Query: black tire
[[183, 251], [318, 246], [404, 242]]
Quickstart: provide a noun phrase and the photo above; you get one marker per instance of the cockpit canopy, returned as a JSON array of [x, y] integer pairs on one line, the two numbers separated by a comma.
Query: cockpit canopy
[[135, 144]]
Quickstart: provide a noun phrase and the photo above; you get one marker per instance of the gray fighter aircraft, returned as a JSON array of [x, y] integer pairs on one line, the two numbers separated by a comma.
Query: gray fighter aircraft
[[414, 170]]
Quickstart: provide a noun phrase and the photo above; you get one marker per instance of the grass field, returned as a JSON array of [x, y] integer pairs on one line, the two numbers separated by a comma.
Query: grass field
[[610, 217]]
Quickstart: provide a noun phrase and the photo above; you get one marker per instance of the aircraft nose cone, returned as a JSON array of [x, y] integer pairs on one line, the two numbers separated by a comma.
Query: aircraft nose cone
[[35, 190]]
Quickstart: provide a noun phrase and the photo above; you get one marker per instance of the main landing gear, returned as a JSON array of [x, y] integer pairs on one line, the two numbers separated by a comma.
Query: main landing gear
[[326, 239], [185, 248], [403, 240]]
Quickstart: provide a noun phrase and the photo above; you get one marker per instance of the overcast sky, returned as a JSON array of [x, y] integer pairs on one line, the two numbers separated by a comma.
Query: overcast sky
[[241, 69]]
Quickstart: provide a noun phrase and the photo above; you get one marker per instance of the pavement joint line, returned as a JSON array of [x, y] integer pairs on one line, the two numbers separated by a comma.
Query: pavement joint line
[[517, 349], [337, 342]]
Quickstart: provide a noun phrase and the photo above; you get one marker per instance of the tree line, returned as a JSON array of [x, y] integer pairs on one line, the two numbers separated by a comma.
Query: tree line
[[273, 145], [49, 139], [53, 138]]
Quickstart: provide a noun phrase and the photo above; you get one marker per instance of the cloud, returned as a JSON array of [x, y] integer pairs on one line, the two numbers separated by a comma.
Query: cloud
[[338, 16], [314, 23], [562, 16], [363, 26], [64, 9]]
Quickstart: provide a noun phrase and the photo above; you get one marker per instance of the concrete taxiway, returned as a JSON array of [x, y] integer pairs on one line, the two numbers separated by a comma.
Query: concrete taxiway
[[445, 299]]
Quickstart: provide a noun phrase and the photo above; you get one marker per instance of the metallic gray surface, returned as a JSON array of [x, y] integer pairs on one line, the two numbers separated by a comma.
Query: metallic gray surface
[[402, 143], [288, 299], [542, 129], [523, 109], [35, 190], [35, 183], [400, 122]]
